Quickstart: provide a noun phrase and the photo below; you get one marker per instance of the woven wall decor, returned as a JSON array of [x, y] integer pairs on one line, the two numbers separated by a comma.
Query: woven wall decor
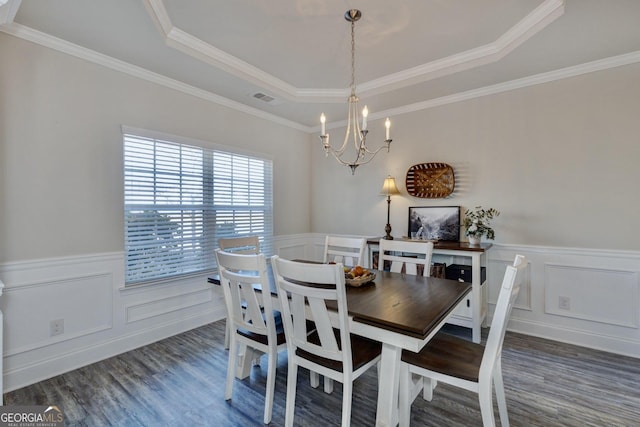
[[430, 180]]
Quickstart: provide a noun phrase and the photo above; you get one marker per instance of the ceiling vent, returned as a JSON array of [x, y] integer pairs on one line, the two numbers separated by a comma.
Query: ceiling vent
[[263, 97], [266, 98]]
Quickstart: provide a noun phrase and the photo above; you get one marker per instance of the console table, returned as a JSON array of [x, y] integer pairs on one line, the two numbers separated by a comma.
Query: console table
[[472, 312]]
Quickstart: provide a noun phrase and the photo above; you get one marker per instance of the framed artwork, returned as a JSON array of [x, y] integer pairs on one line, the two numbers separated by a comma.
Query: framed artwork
[[434, 223]]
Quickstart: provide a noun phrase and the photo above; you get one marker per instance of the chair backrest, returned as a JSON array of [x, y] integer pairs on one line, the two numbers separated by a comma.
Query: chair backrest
[[406, 254], [346, 250], [310, 288], [511, 284], [241, 276], [240, 245]]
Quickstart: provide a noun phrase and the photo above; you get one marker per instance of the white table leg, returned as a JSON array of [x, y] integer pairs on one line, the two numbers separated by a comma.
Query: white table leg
[[476, 283], [388, 379], [475, 315]]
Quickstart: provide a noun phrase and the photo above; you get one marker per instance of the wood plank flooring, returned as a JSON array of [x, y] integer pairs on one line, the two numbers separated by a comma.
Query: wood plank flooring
[[180, 382]]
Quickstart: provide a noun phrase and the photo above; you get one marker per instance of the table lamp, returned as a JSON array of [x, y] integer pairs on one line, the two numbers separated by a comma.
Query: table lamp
[[389, 188]]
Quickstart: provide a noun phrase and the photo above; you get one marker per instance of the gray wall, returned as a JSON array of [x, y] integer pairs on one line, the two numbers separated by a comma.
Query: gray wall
[[61, 207], [61, 150], [560, 160]]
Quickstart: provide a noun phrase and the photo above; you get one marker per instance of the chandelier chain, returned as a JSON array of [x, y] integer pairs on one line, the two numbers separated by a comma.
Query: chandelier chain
[[353, 58]]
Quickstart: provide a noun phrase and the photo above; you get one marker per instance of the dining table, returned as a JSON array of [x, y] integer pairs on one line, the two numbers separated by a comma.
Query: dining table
[[401, 311]]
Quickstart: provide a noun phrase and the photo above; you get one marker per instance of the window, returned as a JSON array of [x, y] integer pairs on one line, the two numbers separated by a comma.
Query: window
[[179, 199]]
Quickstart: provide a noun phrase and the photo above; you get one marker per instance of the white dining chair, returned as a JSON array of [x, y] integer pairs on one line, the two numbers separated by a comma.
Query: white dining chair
[[252, 319], [346, 250], [331, 352], [238, 245], [405, 257], [462, 363]]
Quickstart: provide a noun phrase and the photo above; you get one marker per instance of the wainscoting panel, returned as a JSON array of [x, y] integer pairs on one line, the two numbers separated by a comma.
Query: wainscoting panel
[[292, 251], [162, 306], [587, 297], [613, 294], [294, 246], [101, 317], [83, 305], [496, 274]]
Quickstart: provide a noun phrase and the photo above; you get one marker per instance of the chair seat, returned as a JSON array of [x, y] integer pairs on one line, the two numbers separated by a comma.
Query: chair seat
[[263, 338], [448, 355], [363, 350]]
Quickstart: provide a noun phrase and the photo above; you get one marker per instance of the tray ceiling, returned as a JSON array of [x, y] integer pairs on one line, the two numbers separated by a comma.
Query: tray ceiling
[[410, 54]]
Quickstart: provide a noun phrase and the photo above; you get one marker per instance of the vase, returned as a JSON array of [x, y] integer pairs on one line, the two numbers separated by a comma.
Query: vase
[[473, 240]]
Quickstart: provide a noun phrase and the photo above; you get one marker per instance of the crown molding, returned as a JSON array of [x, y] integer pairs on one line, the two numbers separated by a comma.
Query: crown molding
[[64, 46], [8, 11], [551, 76], [322, 95], [193, 46], [49, 41], [531, 24], [159, 15], [186, 43], [534, 22]]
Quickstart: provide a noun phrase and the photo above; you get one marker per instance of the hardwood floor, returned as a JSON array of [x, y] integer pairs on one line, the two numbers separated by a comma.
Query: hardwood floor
[[180, 382]]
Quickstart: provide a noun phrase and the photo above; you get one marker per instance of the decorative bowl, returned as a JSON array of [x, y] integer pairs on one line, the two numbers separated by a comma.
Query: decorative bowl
[[361, 280]]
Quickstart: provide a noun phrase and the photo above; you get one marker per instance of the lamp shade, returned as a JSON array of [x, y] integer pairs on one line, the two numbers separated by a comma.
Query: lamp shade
[[389, 186]]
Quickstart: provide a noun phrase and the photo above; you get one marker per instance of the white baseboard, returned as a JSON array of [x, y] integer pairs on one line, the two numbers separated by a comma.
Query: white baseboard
[[64, 362], [576, 337]]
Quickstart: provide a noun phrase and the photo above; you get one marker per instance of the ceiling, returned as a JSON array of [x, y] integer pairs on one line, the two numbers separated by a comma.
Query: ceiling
[[410, 54]]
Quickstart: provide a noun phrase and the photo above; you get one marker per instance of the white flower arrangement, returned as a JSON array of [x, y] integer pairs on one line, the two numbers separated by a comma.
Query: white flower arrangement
[[477, 222]]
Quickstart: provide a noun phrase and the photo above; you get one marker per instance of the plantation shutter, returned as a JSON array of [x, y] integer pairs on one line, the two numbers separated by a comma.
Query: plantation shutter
[[180, 199]]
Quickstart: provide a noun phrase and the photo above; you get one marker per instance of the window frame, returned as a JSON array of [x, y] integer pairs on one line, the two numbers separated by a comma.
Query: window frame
[[251, 183]]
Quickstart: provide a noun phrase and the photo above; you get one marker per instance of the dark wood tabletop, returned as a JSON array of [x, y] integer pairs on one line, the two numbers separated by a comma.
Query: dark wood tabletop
[[411, 305]]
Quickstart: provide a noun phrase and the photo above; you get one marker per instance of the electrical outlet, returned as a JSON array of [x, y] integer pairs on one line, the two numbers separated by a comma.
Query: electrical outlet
[[564, 303], [56, 327]]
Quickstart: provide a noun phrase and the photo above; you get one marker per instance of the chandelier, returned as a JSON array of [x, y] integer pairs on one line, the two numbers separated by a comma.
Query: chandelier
[[363, 154]]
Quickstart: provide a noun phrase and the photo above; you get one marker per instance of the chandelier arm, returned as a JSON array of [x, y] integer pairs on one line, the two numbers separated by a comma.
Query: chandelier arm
[[342, 148], [361, 157], [364, 161], [353, 118], [339, 159], [374, 152], [335, 153]]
